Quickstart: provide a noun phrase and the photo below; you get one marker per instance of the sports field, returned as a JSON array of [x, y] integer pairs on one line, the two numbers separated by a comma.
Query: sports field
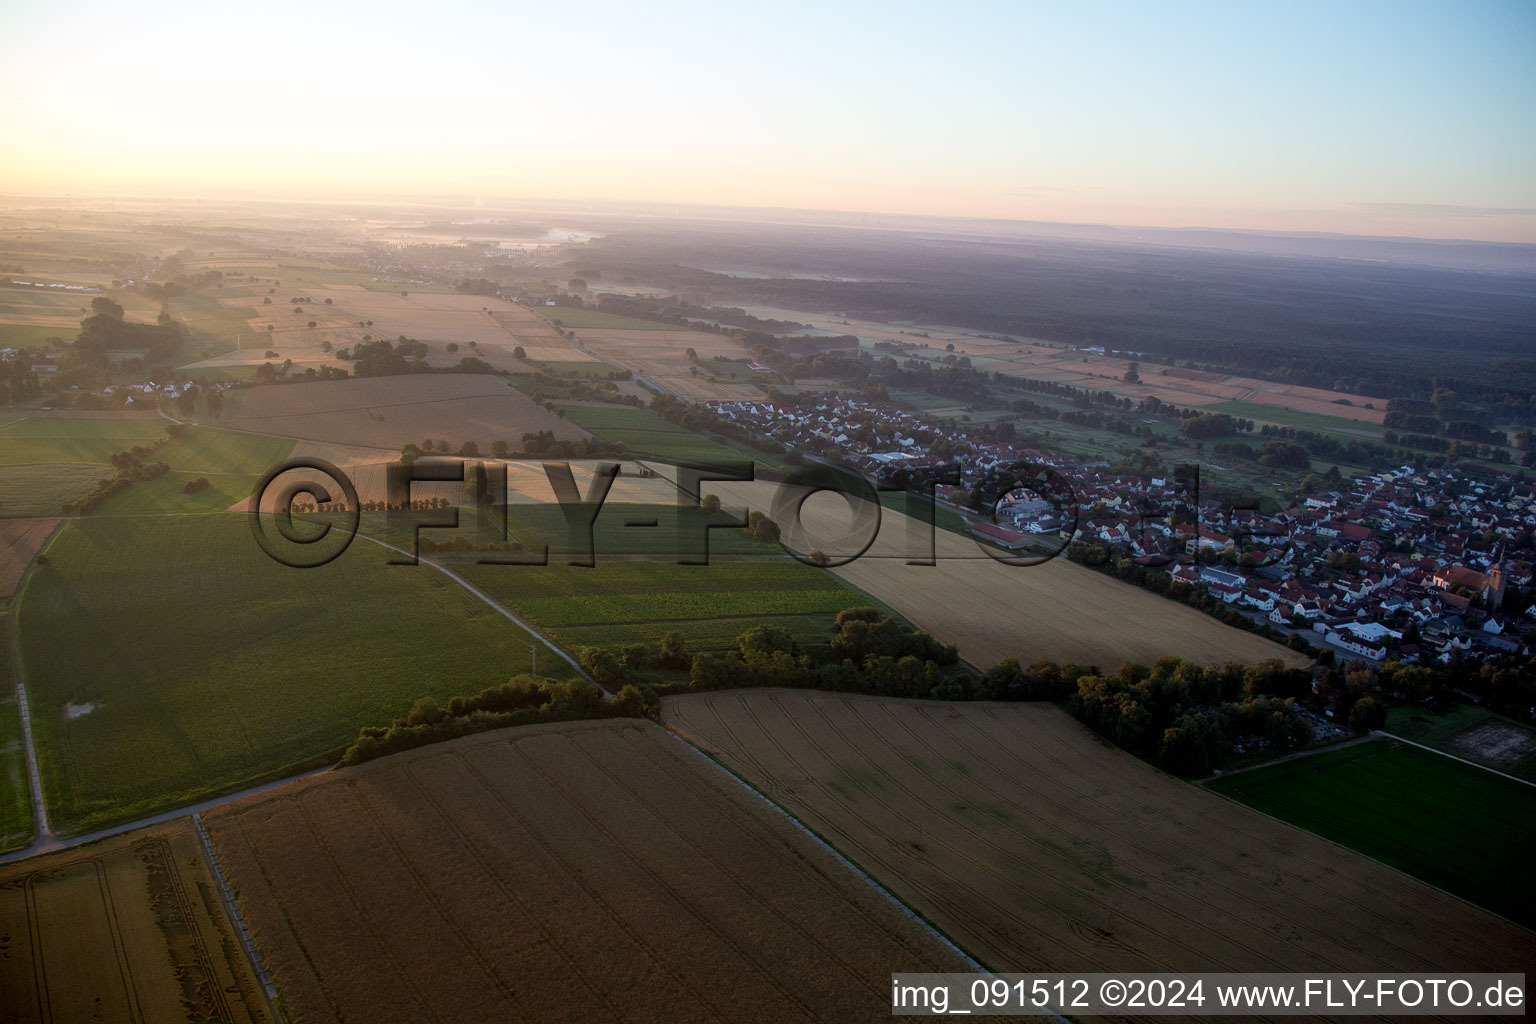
[[1035, 845], [1456, 826], [224, 667], [128, 929], [1476, 734], [587, 871]]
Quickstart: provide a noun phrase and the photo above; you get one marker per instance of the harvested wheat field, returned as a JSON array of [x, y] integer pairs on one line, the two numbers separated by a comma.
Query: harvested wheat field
[[1057, 611], [585, 871], [1037, 846], [126, 929], [387, 412], [20, 539]]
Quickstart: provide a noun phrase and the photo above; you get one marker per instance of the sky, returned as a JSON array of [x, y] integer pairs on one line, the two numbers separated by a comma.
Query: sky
[[1393, 118]]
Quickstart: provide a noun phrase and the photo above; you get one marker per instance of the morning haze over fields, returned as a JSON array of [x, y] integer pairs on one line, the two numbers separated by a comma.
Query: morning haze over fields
[[685, 513]]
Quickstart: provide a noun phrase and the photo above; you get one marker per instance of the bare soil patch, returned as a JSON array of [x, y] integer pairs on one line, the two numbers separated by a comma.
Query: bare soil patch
[[20, 540]]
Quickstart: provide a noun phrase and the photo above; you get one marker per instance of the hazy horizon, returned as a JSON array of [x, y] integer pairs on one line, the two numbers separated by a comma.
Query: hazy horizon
[[1375, 120]]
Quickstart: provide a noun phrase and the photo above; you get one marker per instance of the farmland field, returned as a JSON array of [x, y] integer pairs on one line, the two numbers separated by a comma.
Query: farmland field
[[1035, 845], [572, 317], [20, 540], [637, 601], [43, 439], [231, 462], [588, 871], [41, 489], [646, 433], [15, 790], [1279, 413], [126, 929], [1455, 826], [224, 667], [661, 355], [387, 412], [1057, 611]]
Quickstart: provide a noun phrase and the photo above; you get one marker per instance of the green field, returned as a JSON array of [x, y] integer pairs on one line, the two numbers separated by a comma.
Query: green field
[[1295, 418], [577, 368], [1457, 827], [33, 336], [42, 490], [15, 793], [571, 317], [211, 325], [1476, 734], [209, 667], [232, 463], [632, 601], [645, 433], [44, 439]]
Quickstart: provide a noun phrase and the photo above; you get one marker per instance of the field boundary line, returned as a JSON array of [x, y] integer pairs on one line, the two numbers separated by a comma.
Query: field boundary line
[[42, 828], [232, 910], [1453, 757], [56, 842], [1298, 755], [858, 872], [461, 581]]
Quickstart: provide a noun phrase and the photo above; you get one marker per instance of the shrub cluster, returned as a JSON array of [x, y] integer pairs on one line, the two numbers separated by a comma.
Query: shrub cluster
[[522, 700]]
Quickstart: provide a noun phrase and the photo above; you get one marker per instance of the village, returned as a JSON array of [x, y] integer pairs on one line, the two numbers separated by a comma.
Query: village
[[1405, 564]]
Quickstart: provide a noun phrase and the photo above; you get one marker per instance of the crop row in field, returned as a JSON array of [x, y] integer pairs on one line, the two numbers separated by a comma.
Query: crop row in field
[[589, 871], [231, 462], [168, 658], [1456, 826], [42, 489], [128, 929], [646, 599], [47, 439], [1037, 846]]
